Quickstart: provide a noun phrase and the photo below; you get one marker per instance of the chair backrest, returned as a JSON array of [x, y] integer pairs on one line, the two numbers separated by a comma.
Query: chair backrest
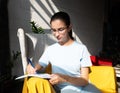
[[33, 45]]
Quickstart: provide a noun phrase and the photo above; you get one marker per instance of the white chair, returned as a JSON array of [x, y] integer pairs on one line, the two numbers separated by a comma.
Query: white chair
[[33, 45]]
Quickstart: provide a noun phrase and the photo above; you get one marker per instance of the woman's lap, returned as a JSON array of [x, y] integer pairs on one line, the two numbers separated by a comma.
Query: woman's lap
[[90, 89], [87, 89]]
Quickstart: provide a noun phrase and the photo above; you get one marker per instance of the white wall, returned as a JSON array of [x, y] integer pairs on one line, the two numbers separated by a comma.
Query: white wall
[[86, 16]]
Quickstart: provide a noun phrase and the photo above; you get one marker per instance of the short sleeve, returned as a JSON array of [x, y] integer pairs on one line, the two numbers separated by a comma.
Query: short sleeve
[[85, 60]]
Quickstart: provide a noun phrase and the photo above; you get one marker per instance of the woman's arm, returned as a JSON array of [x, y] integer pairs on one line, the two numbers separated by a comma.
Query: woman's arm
[[79, 81]]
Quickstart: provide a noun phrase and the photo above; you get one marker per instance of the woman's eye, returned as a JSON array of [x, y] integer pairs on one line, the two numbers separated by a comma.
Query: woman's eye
[[61, 29]]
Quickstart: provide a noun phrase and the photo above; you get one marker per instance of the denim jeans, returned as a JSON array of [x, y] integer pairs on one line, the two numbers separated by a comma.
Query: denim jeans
[[90, 89], [86, 89]]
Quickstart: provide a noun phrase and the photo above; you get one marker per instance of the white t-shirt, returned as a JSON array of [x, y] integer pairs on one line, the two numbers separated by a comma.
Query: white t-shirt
[[66, 59]]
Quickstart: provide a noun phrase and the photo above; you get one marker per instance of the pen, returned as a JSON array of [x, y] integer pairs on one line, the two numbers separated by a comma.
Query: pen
[[80, 59], [29, 61]]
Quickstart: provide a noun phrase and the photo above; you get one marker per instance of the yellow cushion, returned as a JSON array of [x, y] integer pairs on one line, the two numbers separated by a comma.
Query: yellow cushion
[[103, 77]]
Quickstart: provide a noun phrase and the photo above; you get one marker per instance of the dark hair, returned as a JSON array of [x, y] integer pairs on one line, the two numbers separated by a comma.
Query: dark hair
[[65, 18]]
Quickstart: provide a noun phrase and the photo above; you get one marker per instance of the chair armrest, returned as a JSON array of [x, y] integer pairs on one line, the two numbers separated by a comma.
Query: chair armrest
[[21, 37]]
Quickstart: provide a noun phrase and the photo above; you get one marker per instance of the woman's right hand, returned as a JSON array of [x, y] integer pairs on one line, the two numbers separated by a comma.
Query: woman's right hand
[[30, 69]]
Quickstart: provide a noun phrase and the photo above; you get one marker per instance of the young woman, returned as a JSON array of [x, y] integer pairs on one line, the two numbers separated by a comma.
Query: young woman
[[70, 60]]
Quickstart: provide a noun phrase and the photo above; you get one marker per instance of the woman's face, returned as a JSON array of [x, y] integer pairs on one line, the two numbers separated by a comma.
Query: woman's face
[[60, 31]]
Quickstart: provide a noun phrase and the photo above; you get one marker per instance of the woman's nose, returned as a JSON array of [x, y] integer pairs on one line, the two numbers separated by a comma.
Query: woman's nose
[[56, 34]]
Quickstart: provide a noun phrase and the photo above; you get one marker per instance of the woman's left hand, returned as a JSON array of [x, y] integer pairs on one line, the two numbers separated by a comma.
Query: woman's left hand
[[56, 79]]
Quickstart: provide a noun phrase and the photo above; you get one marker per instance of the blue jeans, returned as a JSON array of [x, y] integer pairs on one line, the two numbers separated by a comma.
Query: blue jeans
[[86, 89], [90, 89]]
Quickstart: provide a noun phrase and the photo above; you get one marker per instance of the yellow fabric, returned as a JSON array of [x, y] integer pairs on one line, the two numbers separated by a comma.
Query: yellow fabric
[[37, 85], [25, 89], [103, 77]]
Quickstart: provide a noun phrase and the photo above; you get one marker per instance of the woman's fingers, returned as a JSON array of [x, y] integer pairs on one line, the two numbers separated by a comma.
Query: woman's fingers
[[30, 69]]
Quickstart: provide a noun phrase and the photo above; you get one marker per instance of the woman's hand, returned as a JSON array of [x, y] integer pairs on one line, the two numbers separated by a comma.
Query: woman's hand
[[57, 78], [30, 69]]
